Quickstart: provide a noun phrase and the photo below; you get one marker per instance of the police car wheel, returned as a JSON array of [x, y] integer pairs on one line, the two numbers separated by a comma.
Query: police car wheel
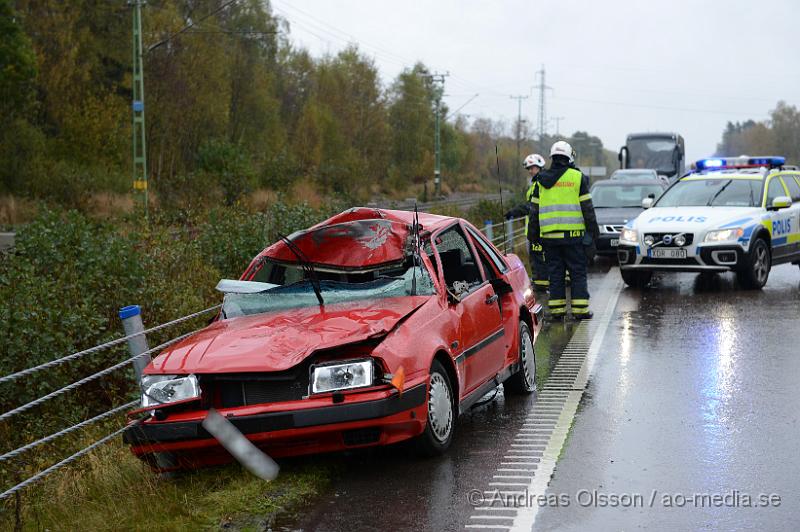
[[757, 265], [636, 279]]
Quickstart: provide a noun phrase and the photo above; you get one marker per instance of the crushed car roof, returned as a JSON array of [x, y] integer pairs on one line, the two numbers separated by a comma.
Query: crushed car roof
[[357, 237]]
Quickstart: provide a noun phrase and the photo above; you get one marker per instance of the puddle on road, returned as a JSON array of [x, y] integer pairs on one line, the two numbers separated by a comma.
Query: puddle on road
[[367, 475]]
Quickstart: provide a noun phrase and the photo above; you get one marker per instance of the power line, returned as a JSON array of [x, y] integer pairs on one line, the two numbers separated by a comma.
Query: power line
[[350, 37], [451, 113], [661, 107], [189, 26], [379, 51]]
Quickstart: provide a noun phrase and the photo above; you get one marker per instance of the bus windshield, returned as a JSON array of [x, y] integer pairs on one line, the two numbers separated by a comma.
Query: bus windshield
[[656, 153]]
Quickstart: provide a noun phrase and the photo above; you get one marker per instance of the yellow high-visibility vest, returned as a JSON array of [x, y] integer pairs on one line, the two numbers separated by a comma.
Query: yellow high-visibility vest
[[560, 205]]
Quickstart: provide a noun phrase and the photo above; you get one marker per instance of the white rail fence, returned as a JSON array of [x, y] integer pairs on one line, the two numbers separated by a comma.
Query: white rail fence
[[140, 356], [506, 236]]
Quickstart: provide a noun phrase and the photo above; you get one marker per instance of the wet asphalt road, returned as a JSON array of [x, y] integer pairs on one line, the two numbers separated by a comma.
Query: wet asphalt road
[[693, 392]]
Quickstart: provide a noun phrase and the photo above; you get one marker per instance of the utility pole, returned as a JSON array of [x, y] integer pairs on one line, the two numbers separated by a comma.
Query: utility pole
[[139, 145], [558, 120], [542, 86], [437, 169], [519, 133]]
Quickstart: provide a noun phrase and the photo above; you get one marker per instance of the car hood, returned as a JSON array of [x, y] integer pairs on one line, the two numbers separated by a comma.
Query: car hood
[[692, 219], [280, 340], [616, 215]]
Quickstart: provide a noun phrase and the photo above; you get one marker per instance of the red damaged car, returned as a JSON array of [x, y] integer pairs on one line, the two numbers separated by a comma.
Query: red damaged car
[[372, 327]]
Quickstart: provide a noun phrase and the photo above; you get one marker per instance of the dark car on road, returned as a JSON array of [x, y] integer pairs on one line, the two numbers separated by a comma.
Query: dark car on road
[[636, 174], [616, 202]]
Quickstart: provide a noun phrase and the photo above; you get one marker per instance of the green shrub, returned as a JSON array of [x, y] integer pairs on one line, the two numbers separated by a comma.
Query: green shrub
[[487, 210], [60, 293]]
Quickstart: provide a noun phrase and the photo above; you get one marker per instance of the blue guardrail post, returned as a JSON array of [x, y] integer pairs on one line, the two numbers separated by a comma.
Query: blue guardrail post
[[131, 317]]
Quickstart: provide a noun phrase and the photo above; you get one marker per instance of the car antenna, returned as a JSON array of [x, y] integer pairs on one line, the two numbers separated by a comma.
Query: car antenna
[[415, 249], [308, 268], [500, 188]]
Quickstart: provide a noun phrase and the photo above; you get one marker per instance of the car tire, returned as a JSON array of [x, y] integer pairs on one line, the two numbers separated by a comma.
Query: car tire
[[441, 416], [523, 381], [757, 265], [636, 279]]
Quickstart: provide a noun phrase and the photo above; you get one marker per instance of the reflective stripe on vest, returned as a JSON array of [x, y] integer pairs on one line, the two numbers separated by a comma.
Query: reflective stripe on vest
[[529, 199], [560, 206]]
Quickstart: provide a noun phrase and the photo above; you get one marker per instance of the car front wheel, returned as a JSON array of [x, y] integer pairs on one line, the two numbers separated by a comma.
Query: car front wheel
[[757, 265], [523, 381], [636, 279], [441, 423]]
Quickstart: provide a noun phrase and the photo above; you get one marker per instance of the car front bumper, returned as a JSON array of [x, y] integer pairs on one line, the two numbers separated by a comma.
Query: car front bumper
[[706, 259], [377, 418], [604, 244]]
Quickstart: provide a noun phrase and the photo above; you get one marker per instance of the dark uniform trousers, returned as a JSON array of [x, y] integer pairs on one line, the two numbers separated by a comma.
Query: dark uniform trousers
[[567, 254], [539, 270]]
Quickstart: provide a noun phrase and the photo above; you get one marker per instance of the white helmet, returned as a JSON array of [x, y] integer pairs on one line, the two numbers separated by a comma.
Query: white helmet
[[534, 159], [562, 147]]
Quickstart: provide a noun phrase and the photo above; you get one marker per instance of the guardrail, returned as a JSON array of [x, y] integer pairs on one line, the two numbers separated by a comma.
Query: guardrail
[[139, 351], [506, 235]]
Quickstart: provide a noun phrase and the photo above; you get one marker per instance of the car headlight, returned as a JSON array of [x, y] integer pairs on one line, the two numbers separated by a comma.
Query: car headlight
[[342, 376], [162, 389], [722, 235], [629, 236]]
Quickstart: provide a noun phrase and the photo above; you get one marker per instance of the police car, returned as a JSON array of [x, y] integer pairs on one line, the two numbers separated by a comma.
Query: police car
[[737, 214]]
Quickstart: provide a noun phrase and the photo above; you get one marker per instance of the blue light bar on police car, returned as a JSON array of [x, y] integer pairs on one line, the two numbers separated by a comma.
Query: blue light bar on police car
[[721, 163]]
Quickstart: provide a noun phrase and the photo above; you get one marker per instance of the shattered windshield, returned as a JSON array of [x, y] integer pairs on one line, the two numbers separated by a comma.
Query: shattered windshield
[[300, 293]]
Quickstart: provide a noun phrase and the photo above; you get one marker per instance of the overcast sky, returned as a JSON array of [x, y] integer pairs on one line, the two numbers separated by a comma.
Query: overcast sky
[[615, 66]]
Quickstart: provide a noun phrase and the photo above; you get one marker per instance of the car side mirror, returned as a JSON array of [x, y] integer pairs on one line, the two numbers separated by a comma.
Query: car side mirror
[[647, 203], [781, 202], [622, 156]]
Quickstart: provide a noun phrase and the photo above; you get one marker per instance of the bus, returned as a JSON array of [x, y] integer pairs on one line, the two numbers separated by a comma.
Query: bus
[[663, 152]]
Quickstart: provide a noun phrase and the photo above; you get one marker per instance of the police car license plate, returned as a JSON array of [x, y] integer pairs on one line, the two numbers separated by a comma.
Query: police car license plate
[[668, 253], [614, 242]]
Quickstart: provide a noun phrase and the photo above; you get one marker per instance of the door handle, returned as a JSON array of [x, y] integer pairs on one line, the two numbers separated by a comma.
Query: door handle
[[491, 299]]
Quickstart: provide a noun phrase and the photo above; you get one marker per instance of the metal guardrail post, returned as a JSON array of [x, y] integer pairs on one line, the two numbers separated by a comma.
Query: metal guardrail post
[[489, 230], [131, 317], [510, 234]]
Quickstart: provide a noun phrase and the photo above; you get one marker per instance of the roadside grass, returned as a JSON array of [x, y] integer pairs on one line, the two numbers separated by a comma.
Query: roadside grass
[[112, 490]]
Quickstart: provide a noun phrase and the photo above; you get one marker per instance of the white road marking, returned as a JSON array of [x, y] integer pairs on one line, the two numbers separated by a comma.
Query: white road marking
[[545, 431]]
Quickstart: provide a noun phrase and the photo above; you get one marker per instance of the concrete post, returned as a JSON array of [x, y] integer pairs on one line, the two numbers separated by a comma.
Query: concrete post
[[489, 229], [131, 317]]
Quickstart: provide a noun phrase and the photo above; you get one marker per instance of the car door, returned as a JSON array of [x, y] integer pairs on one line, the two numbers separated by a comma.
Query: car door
[[792, 182], [783, 221], [472, 303]]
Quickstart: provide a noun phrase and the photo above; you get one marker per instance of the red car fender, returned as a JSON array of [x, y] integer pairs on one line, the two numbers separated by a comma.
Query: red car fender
[[416, 342]]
